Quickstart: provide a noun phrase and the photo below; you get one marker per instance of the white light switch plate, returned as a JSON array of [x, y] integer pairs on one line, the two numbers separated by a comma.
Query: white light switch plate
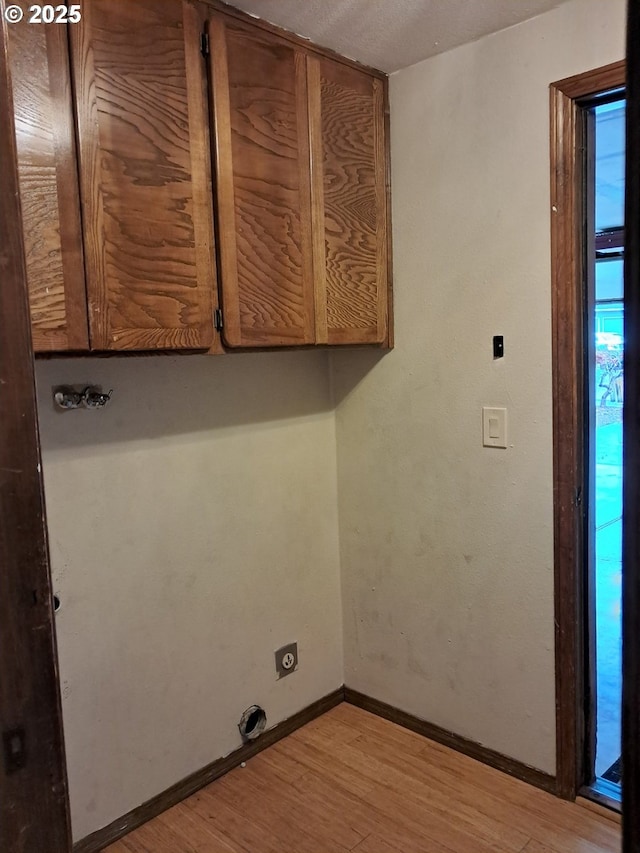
[[494, 427]]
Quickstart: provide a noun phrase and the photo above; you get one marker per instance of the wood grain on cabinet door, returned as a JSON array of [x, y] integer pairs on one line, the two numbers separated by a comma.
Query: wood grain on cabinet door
[[347, 121], [48, 186], [263, 187], [144, 174]]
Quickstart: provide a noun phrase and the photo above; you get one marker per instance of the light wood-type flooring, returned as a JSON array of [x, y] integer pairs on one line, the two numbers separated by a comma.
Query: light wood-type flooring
[[350, 781]]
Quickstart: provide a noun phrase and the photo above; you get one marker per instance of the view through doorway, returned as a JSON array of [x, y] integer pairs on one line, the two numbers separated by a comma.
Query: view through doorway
[[606, 383]]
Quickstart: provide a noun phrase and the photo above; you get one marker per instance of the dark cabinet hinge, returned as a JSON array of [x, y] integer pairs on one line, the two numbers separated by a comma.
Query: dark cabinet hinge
[[15, 751], [217, 320], [579, 496], [204, 44]]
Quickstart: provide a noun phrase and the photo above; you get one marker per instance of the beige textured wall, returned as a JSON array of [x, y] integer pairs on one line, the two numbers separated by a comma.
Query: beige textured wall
[[193, 529], [446, 546]]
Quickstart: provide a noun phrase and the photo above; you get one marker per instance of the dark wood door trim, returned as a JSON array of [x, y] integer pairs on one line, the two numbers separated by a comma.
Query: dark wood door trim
[[631, 453], [568, 130], [34, 813]]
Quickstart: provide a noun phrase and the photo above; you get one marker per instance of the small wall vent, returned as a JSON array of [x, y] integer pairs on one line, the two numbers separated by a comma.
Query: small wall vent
[[252, 722]]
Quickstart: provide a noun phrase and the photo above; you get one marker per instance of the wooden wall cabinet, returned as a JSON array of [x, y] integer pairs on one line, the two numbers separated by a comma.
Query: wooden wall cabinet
[[303, 215], [349, 179], [144, 174], [142, 212], [259, 103], [45, 142], [119, 227]]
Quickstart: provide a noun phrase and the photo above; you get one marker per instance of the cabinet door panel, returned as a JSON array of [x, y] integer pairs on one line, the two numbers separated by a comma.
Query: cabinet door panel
[[264, 213], [144, 170], [48, 186], [349, 203]]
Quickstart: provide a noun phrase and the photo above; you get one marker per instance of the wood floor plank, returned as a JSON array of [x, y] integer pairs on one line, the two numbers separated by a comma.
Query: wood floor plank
[[194, 831], [362, 817], [350, 782], [482, 816], [330, 731], [369, 820], [271, 811], [157, 836], [492, 803], [362, 722], [284, 766], [315, 759], [248, 836], [422, 817], [536, 847], [409, 793], [535, 808], [321, 816], [600, 810], [377, 844]]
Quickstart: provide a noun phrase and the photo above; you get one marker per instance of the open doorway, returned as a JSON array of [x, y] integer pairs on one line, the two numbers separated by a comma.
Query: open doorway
[[605, 317]]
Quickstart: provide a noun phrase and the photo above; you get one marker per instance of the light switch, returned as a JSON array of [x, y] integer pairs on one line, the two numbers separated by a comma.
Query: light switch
[[494, 427]]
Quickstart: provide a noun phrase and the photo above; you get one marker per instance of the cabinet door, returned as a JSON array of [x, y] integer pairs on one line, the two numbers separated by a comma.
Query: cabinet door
[[347, 119], [263, 186], [43, 109], [144, 174]]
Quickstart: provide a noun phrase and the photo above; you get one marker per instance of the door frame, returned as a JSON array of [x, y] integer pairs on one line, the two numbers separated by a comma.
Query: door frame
[[568, 135], [631, 451], [34, 804]]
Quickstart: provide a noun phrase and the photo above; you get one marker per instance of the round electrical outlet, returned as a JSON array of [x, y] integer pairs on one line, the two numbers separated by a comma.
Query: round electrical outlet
[[286, 659]]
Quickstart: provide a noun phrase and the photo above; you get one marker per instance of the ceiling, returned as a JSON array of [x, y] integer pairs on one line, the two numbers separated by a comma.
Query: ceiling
[[392, 34]]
